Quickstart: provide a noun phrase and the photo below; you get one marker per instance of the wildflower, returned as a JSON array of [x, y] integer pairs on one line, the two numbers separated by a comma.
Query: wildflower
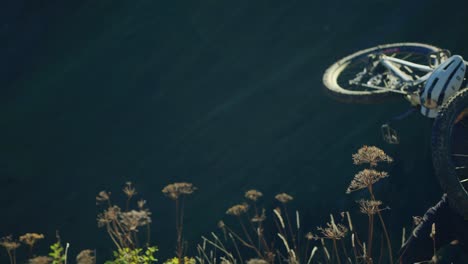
[[86, 257], [253, 195], [129, 190], [284, 197], [369, 207], [109, 215], [8, 243], [238, 209], [333, 231], [102, 197], [371, 155], [365, 178], [133, 219], [41, 260], [174, 190], [30, 238]]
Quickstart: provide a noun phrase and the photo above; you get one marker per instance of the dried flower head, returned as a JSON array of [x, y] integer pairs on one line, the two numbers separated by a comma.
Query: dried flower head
[[333, 231], [371, 155], [102, 197], [174, 190], [129, 190], [369, 207], [134, 219], [30, 238], [253, 195], [284, 197], [109, 215], [86, 257], [256, 261], [238, 209], [8, 243], [365, 178], [41, 260]]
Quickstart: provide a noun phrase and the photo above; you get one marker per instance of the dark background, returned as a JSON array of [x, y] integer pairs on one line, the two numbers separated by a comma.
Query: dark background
[[224, 94]]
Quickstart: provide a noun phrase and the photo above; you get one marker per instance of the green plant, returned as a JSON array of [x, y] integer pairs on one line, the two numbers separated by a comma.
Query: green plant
[[58, 253], [186, 260], [134, 256]]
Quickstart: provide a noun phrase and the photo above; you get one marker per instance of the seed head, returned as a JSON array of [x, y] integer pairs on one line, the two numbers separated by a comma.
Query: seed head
[[369, 207], [109, 215], [365, 178], [284, 198], [129, 190], [371, 155], [336, 232], [238, 209], [86, 257], [134, 219], [8, 243], [30, 238], [174, 190], [41, 260], [253, 195], [102, 197]]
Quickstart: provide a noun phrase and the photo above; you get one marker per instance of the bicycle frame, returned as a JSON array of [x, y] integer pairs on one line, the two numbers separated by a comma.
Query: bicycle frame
[[390, 64]]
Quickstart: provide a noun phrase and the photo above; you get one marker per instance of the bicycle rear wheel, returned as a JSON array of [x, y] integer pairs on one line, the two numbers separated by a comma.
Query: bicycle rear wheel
[[450, 150], [343, 79]]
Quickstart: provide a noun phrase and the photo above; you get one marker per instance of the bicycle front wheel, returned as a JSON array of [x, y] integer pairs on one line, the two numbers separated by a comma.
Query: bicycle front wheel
[[450, 150], [348, 79]]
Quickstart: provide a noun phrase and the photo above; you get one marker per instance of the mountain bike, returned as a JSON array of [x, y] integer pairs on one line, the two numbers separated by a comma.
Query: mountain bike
[[431, 79]]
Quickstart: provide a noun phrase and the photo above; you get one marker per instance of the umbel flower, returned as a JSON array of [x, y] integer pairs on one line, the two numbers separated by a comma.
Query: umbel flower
[[111, 214], [41, 260], [333, 231], [134, 219], [369, 207], [253, 195], [129, 190], [284, 198], [238, 209], [371, 155], [30, 238], [86, 257], [174, 190], [365, 178], [8, 243]]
